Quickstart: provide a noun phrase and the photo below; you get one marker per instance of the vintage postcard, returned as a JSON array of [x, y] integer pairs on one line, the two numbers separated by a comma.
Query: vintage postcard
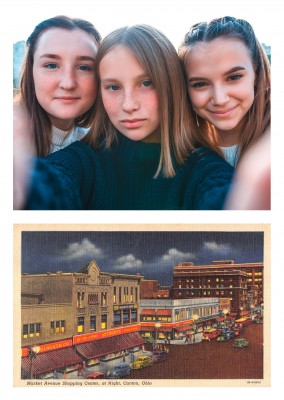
[[142, 305]]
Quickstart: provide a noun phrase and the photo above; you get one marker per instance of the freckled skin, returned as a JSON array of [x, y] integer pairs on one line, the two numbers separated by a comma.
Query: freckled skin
[[128, 95], [220, 97], [59, 72]]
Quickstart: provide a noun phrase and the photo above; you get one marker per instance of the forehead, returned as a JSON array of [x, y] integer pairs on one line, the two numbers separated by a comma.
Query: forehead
[[56, 40], [121, 60], [219, 54]]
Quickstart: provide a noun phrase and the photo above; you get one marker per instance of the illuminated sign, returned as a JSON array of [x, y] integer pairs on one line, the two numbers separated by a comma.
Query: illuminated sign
[[104, 334], [48, 347]]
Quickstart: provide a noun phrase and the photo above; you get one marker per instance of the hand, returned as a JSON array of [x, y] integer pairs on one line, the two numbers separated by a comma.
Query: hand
[[252, 184]]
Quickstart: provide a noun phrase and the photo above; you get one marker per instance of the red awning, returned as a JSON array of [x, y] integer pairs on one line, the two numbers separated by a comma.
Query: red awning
[[183, 328], [147, 328], [113, 344], [51, 361], [165, 329], [148, 312], [219, 319], [164, 312]]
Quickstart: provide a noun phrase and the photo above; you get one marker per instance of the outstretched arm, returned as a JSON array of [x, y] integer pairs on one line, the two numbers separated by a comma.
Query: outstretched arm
[[23, 153]]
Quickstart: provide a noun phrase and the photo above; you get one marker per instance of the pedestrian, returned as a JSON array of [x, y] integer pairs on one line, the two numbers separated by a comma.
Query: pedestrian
[[228, 80], [58, 83], [138, 153]]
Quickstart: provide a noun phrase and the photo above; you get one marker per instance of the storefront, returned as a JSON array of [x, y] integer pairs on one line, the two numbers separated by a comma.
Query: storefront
[[51, 357], [96, 347]]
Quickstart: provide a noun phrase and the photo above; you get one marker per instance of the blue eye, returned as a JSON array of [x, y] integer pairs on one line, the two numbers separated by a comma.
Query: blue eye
[[51, 66], [199, 85], [113, 88], [235, 77], [84, 68], [146, 83]]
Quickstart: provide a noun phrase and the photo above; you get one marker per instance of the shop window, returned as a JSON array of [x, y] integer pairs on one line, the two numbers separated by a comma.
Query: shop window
[[126, 317], [117, 318], [134, 316], [80, 324]]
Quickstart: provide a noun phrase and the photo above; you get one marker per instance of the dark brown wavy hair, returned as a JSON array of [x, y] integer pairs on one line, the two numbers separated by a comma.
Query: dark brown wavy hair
[[257, 120], [41, 125]]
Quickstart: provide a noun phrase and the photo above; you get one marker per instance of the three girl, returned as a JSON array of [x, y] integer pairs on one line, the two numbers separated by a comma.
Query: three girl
[[58, 85], [228, 80], [138, 153]]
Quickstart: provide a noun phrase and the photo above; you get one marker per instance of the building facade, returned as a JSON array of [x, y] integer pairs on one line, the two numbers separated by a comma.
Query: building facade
[[241, 283], [89, 314]]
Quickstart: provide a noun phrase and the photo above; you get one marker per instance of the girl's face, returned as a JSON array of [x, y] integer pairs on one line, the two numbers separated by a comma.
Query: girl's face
[[220, 76], [128, 95], [64, 74]]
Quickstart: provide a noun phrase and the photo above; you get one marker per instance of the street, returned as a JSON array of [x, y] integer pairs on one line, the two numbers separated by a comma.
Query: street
[[211, 360]]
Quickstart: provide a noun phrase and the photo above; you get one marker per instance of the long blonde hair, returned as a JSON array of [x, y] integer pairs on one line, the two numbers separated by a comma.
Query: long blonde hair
[[159, 58]]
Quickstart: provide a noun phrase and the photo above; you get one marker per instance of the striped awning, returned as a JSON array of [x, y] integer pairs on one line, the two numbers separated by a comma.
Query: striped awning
[[50, 361], [113, 344]]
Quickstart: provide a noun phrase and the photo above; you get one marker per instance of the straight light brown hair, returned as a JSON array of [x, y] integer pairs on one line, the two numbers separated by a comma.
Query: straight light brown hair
[[159, 58]]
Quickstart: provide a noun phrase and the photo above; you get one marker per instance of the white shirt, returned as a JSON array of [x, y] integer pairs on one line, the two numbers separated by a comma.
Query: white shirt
[[61, 139], [230, 154]]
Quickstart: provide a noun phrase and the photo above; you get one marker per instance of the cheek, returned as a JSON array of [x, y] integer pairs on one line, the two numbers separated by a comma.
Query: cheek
[[89, 88], [151, 101], [111, 105]]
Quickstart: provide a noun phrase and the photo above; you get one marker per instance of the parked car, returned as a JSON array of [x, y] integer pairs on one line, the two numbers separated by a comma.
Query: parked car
[[119, 371], [96, 375], [210, 333], [226, 336], [141, 362], [159, 355], [240, 342]]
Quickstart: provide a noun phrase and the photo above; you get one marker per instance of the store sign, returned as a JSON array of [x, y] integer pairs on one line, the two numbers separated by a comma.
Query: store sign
[[104, 334], [48, 347]]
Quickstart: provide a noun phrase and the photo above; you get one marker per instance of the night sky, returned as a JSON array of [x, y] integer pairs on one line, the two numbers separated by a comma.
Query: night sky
[[151, 253]]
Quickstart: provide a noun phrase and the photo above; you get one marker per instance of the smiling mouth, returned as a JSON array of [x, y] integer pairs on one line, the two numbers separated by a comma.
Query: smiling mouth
[[223, 112]]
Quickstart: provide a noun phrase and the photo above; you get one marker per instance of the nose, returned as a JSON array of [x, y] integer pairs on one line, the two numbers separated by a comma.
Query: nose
[[67, 80], [130, 101], [219, 96]]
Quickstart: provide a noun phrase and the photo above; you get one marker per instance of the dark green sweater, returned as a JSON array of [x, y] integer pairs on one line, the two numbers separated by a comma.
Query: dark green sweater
[[121, 178]]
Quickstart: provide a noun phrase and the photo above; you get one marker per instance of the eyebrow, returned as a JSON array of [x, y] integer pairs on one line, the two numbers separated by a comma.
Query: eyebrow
[[138, 78], [57, 57], [234, 69]]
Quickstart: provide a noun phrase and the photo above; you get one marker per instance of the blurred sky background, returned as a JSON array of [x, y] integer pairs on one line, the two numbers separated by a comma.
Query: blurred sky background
[[173, 17]]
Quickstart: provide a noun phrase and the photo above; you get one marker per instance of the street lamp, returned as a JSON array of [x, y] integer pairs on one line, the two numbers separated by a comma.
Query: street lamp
[[195, 318], [33, 351], [225, 312], [241, 311], [157, 326]]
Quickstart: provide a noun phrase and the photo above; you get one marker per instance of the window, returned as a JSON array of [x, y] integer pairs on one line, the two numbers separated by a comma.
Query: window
[[80, 299], [114, 294], [104, 299], [92, 323], [80, 324], [136, 294], [104, 321], [126, 318], [117, 318], [31, 330], [131, 295], [25, 331], [119, 294]]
